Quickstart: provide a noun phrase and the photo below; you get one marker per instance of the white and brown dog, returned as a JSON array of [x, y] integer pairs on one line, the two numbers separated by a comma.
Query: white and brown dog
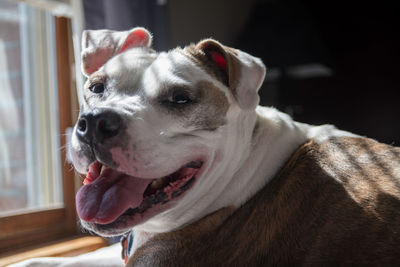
[[177, 151]]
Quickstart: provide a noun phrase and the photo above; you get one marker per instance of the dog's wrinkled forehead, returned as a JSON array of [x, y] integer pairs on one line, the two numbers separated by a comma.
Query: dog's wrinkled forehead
[[144, 70], [126, 70], [171, 69]]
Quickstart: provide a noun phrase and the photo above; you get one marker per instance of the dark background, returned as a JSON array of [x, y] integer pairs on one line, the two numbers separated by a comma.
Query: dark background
[[355, 43]]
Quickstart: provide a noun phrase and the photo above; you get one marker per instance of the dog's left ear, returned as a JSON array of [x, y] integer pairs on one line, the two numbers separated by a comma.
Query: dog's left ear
[[241, 72], [98, 46]]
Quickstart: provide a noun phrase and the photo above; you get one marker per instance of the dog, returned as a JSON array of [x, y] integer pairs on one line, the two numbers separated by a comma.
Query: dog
[[179, 156]]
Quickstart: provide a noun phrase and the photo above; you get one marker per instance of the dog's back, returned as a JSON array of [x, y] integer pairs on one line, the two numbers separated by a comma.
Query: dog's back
[[335, 203]]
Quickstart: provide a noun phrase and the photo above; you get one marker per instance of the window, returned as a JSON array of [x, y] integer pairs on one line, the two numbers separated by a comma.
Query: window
[[36, 183], [30, 169]]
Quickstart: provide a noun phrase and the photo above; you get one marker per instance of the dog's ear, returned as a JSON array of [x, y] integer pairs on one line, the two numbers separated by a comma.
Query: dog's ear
[[98, 46], [241, 72]]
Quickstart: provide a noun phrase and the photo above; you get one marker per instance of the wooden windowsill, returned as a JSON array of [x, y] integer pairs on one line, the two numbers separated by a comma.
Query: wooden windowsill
[[63, 248]]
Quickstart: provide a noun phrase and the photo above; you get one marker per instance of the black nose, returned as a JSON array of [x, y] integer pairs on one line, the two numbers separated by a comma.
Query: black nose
[[98, 125]]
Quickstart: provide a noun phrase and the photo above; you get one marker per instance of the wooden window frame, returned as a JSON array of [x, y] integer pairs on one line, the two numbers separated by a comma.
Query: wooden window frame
[[35, 228]]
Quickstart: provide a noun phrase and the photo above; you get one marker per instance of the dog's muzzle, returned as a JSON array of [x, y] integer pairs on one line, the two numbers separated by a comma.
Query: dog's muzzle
[[98, 125]]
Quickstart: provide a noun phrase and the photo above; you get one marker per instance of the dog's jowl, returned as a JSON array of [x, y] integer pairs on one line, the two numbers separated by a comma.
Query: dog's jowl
[[179, 156]]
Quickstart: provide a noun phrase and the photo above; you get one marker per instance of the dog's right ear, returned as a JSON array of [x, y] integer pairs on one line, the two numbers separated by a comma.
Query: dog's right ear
[[98, 46], [242, 73]]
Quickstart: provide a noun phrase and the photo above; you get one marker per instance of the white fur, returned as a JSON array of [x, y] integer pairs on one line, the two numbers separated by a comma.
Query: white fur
[[252, 77]]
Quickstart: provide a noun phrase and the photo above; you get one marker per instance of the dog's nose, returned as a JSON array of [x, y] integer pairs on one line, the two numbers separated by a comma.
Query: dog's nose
[[98, 125]]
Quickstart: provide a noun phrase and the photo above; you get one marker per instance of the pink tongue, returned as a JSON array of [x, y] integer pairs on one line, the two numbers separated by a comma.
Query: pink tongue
[[105, 199]]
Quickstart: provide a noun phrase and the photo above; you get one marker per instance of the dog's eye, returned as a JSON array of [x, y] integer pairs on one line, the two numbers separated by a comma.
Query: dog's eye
[[97, 88], [179, 97]]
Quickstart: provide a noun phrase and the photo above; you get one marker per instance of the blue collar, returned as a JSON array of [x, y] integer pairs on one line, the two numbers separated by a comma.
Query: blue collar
[[126, 242]]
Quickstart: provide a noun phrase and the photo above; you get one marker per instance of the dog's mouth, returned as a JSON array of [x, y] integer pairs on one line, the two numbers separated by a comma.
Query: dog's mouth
[[108, 194]]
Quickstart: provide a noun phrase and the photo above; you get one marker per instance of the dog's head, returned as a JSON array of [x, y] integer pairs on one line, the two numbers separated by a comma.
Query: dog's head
[[157, 131]]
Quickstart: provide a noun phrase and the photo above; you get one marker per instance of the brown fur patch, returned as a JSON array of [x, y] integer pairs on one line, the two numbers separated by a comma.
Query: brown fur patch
[[211, 112], [198, 54], [234, 66], [333, 204], [203, 61], [206, 111]]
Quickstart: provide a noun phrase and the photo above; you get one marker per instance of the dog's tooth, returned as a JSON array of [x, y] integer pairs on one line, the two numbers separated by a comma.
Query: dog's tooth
[[157, 184]]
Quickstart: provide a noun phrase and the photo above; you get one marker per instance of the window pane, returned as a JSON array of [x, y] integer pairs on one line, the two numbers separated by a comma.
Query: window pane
[[29, 136]]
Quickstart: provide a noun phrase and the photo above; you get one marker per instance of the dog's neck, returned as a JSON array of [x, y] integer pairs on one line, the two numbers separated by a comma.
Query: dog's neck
[[253, 162], [251, 159], [256, 156]]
